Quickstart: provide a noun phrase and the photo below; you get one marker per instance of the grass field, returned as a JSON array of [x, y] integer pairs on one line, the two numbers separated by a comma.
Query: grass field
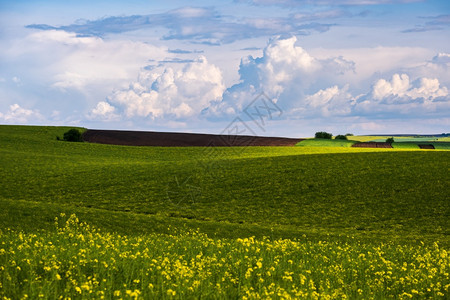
[[325, 143], [338, 202], [405, 145], [367, 138], [404, 139]]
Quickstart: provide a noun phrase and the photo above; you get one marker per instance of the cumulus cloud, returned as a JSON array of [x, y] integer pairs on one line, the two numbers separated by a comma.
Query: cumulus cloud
[[403, 96], [19, 115], [386, 99], [104, 112], [333, 101], [305, 87], [400, 87], [437, 67], [166, 92], [284, 72], [422, 97]]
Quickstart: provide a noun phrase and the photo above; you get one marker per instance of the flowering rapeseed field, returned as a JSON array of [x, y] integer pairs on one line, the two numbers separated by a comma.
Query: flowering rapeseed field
[[79, 262]]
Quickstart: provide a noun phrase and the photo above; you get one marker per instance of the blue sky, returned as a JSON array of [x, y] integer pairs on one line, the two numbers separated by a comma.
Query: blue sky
[[360, 66]]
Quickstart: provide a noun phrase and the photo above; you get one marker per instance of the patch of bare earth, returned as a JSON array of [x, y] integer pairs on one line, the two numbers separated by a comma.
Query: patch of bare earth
[[426, 146], [173, 139], [372, 145]]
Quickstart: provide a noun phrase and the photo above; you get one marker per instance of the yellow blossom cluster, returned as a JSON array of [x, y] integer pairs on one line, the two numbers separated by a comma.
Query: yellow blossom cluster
[[80, 262]]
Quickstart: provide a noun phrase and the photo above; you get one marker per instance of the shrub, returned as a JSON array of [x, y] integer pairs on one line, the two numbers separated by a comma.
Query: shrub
[[73, 135], [341, 137], [323, 135], [390, 140]]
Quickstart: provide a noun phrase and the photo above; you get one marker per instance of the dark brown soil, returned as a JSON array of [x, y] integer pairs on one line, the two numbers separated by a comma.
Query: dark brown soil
[[426, 146], [172, 139], [372, 145]]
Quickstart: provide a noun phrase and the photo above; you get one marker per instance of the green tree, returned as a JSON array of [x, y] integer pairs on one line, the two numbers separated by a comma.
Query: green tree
[[341, 137], [73, 135], [390, 140], [323, 135]]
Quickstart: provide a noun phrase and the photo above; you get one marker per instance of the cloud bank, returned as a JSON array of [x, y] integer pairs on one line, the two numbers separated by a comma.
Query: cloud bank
[[303, 86], [199, 25]]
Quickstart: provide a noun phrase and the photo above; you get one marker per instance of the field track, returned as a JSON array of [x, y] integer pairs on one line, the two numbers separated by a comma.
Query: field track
[[171, 139]]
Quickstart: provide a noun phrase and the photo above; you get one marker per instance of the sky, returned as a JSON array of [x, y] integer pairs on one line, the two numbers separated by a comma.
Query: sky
[[260, 67]]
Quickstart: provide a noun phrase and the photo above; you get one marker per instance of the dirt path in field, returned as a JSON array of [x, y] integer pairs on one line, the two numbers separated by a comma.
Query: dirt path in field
[[172, 139]]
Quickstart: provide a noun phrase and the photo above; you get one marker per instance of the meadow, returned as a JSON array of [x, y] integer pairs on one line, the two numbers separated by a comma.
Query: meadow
[[320, 221], [80, 262]]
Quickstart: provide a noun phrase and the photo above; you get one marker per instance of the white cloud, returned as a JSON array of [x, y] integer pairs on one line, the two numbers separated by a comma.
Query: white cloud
[[402, 97], [67, 61], [104, 111], [284, 73], [398, 86], [428, 89], [373, 63], [17, 114], [401, 87], [308, 87], [437, 67], [170, 93], [70, 73], [331, 101]]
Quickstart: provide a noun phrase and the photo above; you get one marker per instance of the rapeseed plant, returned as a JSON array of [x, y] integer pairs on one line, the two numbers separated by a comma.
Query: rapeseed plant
[[79, 262]]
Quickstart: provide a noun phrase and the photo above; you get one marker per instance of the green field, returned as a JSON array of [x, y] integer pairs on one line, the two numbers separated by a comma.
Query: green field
[[404, 145], [325, 143], [367, 138], [404, 139], [338, 200]]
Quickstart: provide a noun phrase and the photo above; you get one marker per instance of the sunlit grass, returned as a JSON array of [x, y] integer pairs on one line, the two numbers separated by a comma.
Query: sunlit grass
[[325, 143]]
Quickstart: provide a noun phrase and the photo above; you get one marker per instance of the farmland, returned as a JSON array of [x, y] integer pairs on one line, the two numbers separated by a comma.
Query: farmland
[[195, 206]]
